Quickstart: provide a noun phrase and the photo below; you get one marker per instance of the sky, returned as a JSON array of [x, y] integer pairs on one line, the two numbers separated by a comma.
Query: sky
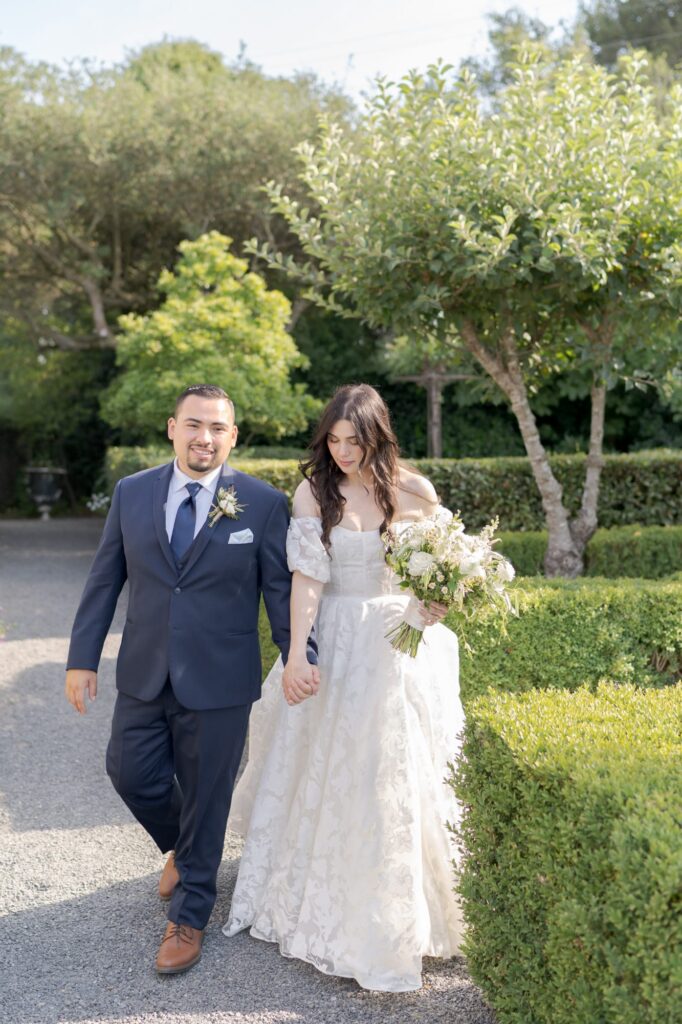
[[348, 43]]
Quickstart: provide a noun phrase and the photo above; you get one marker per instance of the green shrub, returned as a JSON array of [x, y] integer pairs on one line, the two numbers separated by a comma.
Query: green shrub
[[650, 551], [570, 632], [281, 473], [647, 552], [571, 867], [643, 488], [525, 549]]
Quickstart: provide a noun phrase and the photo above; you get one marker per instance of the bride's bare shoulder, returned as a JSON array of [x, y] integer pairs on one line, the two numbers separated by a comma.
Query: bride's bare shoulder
[[416, 494], [304, 500]]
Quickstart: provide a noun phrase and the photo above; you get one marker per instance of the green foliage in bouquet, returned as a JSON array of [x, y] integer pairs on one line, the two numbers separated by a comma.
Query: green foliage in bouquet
[[436, 560], [571, 870]]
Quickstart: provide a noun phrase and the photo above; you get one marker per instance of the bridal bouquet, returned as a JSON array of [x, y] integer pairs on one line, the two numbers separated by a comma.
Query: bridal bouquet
[[438, 561]]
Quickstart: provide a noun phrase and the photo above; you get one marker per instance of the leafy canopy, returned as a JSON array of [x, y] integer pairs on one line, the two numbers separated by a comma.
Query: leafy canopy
[[219, 324], [561, 207]]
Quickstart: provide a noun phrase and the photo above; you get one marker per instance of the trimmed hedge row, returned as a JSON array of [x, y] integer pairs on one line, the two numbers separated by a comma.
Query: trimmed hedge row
[[568, 633], [574, 632], [571, 854], [648, 552], [643, 488]]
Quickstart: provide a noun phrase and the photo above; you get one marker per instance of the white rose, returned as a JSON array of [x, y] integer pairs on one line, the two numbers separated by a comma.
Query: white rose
[[419, 563], [505, 571], [471, 564]]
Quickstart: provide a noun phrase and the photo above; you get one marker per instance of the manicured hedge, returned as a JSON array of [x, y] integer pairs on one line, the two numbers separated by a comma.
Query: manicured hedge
[[570, 632], [649, 552], [643, 488], [571, 854]]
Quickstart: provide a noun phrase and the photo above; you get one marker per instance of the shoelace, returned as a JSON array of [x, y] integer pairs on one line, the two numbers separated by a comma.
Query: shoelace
[[185, 932]]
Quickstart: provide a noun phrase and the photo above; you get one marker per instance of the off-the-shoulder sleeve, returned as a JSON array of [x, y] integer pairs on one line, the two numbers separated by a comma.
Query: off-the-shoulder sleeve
[[305, 550]]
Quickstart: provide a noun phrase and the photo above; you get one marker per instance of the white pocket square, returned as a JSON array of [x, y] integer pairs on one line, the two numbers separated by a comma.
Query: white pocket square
[[241, 537]]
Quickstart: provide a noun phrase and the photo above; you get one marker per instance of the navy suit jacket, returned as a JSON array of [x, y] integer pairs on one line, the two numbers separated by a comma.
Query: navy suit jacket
[[198, 624]]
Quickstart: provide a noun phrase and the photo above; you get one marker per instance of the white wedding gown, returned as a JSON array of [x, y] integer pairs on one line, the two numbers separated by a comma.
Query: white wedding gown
[[348, 863]]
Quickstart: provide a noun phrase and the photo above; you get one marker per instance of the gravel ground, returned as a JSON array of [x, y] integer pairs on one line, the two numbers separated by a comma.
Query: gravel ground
[[80, 921]]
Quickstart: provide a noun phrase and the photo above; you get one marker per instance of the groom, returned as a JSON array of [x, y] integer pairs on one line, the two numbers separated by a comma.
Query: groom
[[198, 543]]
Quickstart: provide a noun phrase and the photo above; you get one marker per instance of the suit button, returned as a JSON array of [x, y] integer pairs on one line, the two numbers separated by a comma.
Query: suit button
[[177, 590]]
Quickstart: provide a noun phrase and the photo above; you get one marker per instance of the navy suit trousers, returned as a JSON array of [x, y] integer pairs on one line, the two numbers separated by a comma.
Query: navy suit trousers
[[175, 768]]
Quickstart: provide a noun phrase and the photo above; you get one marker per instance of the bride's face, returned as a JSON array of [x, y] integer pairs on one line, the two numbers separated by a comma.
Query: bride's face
[[344, 447]]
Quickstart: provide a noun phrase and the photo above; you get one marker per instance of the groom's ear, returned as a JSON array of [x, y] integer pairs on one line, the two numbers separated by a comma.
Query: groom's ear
[[171, 427]]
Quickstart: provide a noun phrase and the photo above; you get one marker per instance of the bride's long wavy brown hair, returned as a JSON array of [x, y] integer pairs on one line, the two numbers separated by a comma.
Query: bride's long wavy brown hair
[[366, 410]]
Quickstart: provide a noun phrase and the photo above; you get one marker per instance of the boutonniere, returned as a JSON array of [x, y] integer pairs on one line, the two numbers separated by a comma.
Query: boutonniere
[[226, 505]]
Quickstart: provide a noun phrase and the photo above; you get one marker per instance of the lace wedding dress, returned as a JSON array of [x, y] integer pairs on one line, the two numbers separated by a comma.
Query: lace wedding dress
[[347, 863]]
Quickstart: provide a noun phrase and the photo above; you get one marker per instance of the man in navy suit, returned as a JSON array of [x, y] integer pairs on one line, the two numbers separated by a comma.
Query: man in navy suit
[[198, 542]]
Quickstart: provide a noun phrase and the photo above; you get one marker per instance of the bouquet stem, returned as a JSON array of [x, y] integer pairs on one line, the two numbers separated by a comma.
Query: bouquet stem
[[405, 638]]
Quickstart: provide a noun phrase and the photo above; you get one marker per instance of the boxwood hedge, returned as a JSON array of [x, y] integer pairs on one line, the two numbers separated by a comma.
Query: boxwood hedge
[[570, 854], [643, 488], [574, 632], [650, 552]]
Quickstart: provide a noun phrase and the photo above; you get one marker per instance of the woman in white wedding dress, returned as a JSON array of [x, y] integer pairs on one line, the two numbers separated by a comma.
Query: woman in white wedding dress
[[348, 863]]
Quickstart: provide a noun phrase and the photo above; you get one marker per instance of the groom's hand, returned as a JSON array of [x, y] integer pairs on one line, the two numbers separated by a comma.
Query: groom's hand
[[78, 680]]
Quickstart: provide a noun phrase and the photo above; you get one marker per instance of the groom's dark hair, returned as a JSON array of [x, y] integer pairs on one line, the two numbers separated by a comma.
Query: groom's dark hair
[[203, 391]]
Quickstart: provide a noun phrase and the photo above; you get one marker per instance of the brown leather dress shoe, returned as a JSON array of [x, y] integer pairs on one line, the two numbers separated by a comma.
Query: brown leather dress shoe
[[180, 948], [169, 878]]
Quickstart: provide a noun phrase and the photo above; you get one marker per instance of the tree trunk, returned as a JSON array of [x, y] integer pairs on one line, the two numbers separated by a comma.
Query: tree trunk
[[97, 306], [585, 523], [564, 555], [434, 436]]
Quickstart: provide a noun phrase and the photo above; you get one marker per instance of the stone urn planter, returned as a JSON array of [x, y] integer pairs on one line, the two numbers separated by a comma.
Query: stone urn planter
[[45, 487]]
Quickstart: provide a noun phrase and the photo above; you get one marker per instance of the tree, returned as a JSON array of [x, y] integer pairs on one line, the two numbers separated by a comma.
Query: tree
[[540, 236], [218, 324], [104, 171], [508, 31], [616, 25]]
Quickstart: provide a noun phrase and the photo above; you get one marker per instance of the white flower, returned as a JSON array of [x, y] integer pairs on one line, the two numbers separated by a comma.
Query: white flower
[[471, 564], [420, 562], [226, 505], [505, 570]]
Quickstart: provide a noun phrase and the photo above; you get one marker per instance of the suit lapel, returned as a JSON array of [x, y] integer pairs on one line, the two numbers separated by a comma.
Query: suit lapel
[[161, 484], [204, 535]]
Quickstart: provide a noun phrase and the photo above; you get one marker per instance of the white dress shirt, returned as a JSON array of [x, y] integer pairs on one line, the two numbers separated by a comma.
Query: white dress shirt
[[177, 492]]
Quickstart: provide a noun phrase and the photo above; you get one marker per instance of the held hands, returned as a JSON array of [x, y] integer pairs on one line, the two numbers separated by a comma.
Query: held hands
[[78, 680], [299, 681], [432, 612]]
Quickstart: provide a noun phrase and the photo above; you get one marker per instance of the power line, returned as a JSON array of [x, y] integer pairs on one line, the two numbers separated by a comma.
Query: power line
[[282, 55], [362, 39]]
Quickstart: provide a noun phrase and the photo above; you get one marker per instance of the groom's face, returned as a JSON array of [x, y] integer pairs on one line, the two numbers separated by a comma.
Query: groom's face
[[203, 434]]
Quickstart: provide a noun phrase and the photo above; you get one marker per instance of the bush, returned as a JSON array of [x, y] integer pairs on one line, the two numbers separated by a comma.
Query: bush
[[648, 552], [281, 473], [643, 488], [571, 867], [574, 632]]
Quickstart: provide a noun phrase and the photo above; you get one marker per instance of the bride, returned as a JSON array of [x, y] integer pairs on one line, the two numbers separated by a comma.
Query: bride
[[348, 863]]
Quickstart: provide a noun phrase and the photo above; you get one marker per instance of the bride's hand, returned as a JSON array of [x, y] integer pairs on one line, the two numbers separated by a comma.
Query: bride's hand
[[432, 612], [300, 680]]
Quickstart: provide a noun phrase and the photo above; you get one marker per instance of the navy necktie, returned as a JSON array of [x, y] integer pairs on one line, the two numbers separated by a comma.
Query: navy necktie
[[185, 521]]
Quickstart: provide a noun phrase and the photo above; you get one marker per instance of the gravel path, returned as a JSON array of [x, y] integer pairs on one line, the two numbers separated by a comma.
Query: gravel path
[[79, 918]]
